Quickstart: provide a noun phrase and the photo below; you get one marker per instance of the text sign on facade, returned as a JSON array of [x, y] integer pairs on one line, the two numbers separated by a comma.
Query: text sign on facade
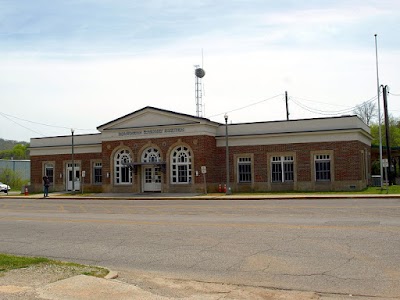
[[150, 131], [203, 170]]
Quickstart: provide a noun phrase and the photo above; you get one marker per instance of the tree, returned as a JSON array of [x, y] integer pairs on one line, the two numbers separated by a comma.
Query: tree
[[19, 151], [366, 111], [394, 133]]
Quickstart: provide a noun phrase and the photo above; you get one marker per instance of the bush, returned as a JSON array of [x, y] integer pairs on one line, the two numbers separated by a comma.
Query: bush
[[12, 178]]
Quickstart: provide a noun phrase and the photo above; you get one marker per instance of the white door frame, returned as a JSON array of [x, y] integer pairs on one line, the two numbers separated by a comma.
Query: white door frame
[[151, 178], [68, 175]]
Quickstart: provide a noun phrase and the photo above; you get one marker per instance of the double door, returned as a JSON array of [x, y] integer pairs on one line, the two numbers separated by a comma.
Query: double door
[[151, 179], [69, 177]]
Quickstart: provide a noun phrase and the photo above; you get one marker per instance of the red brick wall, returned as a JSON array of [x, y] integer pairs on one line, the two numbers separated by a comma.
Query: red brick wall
[[346, 160], [60, 160], [203, 153]]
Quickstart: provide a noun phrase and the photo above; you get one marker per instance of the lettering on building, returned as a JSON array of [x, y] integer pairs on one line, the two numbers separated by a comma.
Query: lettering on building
[[150, 131]]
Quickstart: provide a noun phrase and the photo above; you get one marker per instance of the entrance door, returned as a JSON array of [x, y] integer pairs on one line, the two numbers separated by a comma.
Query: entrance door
[[77, 183], [151, 179]]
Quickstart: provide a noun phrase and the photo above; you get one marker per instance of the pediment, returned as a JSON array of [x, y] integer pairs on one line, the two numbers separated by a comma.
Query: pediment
[[150, 117]]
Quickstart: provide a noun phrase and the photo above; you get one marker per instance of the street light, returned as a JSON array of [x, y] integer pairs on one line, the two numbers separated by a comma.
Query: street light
[[73, 164], [228, 188]]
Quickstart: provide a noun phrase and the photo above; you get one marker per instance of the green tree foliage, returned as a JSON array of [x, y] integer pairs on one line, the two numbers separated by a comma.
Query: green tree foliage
[[9, 144], [18, 151], [394, 133], [394, 139]]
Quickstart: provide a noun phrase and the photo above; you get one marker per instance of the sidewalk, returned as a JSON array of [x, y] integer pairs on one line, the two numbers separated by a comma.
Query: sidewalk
[[194, 196]]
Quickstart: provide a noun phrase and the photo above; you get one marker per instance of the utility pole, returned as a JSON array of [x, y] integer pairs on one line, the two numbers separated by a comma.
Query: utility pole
[[387, 131], [228, 188], [287, 106], [73, 163]]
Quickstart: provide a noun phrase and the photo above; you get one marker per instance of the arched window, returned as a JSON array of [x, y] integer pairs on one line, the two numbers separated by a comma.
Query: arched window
[[181, 165], [151, 155], [123, 174]]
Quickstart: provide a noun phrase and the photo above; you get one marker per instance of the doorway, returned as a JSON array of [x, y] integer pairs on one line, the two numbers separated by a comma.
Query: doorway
[[77, 182], [151, 179]]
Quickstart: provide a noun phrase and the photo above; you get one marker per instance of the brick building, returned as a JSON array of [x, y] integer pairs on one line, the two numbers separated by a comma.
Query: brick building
[[163, 151]]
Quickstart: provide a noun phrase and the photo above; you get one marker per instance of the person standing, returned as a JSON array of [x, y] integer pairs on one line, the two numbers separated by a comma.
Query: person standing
[[46, 184]]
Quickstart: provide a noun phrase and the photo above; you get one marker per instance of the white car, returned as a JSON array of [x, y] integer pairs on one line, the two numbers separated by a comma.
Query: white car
[[4, 187]]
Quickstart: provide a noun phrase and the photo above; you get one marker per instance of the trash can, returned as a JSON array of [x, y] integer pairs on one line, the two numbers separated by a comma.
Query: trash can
[[376, 180]]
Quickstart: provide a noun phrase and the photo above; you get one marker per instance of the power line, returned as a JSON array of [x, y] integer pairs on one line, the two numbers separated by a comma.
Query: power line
[[43, 124], [397, 95], [252, 104], [313, 110], [367, 101], [5, 116], [327, 112], [322, 111]]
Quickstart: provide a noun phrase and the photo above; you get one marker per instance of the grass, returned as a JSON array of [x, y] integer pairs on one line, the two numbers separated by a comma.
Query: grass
[[11, 262], [393, 189]]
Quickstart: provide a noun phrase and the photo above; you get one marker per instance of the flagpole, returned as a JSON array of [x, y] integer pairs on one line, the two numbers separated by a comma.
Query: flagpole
[[379, 111]]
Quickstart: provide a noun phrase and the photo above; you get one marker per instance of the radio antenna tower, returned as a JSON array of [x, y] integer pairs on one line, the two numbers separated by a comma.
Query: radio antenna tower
[[199, 73]]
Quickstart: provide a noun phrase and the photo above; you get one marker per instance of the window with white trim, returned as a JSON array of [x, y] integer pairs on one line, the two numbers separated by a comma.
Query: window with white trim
[[151, 155], [244, 169], [49, 171], [97, 173], [282, 168], [123, 174], [322, 163], [181, 165]]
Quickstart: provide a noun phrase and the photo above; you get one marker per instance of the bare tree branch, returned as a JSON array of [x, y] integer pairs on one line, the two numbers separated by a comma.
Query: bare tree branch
[[366, 111]]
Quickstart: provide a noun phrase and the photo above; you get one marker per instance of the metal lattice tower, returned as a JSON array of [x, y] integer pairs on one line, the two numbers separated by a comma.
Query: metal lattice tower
[[199, 73]]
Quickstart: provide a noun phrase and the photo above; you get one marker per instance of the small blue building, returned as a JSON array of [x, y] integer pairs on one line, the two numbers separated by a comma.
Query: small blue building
[[22, 167]]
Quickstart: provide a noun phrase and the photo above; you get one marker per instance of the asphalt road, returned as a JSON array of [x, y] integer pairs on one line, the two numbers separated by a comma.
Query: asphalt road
[[346, 246]]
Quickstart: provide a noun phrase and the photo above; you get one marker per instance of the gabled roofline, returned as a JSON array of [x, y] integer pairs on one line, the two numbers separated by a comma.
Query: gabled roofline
[[156, 109]]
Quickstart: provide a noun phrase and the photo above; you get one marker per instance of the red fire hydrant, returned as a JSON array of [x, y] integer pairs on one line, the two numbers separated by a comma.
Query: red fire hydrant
[[224, 188], [26, 192], [219, 188]]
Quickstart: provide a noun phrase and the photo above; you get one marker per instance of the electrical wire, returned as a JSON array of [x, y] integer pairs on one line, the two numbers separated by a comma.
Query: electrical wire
[[252, 104], [334, 112], [327, 113], [393, 94], [313, 110], [43, 124], [5, 116]]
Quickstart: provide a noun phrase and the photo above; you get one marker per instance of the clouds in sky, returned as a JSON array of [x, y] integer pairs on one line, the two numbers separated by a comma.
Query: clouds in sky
[[83, 63]]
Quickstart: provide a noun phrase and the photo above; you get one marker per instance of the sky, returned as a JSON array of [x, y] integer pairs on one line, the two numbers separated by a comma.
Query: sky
[[81, 63]]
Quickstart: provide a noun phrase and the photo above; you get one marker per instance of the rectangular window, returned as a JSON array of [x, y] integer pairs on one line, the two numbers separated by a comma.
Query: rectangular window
[[49, 172], [182, 173], [276, 169], [97, 171], [282, 168], [244, 169], [322, 167], [125, 175]]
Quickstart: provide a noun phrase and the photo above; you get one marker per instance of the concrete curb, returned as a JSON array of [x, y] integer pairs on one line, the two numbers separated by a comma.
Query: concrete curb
[[205, 197], [111, 275]]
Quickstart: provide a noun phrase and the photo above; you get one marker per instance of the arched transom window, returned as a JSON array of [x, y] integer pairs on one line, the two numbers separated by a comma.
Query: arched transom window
[[123, 174], [181, 165], [151, 155]]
